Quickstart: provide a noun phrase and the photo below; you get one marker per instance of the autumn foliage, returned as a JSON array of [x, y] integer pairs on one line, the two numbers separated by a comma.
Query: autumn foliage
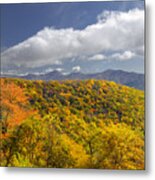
[[71, 124], [13, 106]]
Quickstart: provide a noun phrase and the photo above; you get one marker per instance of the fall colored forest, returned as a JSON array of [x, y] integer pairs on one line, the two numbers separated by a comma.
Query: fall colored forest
[[71, 124]]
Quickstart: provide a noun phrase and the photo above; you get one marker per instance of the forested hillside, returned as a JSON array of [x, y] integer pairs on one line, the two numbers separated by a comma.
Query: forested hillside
[[71, 124]]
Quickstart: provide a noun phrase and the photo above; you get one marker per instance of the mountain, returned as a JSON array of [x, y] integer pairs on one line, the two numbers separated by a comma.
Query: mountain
[[54, 75], [131, 79], [126, 78]]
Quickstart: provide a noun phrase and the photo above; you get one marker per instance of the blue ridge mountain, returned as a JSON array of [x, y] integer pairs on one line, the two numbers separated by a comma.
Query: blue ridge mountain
[[130, 79]]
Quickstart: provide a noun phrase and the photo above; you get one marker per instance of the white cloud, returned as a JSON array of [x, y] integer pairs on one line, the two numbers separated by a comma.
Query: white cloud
[[114, 31], [97, 57], [59, 69], [48, 70], [124, 56], [76, 68]]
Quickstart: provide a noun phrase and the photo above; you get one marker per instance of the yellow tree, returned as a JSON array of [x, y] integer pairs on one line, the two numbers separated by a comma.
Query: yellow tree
[[120, 148]]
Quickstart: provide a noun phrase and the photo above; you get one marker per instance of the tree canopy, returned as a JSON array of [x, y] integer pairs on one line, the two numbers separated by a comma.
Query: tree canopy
[[71, 124]]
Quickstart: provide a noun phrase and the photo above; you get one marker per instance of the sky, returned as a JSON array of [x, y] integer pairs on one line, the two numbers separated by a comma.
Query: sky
[[87, 37]]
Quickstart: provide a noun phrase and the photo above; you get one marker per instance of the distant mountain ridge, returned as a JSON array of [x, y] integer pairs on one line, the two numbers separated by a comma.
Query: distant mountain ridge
[[131, 79]]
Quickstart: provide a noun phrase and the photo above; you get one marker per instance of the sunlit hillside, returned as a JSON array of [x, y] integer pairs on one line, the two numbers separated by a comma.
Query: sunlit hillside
[[71, 124]]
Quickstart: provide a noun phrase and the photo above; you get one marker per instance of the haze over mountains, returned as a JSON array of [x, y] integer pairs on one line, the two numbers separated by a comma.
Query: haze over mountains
[[131, 79]]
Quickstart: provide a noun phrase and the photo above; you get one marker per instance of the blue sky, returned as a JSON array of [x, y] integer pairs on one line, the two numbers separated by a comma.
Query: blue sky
[[29, 29]]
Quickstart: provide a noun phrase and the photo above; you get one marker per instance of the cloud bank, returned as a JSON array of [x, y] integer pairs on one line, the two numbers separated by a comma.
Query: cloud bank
[[76, 69], [119, 33]]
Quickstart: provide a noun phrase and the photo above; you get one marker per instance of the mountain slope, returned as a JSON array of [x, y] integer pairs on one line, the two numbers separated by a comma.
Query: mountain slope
[[72, 124], [94, 97], [130, 79], [126, 78]]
